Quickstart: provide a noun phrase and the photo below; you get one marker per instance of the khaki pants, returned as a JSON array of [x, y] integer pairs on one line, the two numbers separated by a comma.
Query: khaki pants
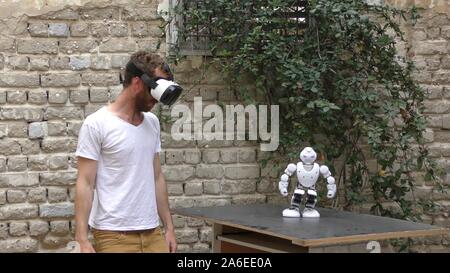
[[147, 241]]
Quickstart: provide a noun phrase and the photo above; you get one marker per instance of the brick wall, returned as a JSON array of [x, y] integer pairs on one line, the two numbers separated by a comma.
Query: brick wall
[[59, 66]]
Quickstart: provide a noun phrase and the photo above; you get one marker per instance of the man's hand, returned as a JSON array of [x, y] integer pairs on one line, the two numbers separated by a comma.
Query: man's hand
[[171, 240], [86, 247]]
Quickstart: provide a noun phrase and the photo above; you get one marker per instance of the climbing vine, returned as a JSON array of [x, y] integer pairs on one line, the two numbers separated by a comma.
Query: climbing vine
[[341, 86]]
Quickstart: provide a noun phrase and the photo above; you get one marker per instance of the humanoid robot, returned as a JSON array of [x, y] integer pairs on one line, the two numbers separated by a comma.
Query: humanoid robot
[[307, 174]]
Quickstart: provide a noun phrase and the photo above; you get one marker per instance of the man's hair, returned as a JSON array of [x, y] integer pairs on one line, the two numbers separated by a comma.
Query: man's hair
[[145, 61]]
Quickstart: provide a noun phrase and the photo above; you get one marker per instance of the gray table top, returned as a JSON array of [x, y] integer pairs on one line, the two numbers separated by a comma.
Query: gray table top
[[333, 227]]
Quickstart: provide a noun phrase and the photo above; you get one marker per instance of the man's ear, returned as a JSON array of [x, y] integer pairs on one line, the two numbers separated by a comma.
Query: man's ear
[[136, 82]]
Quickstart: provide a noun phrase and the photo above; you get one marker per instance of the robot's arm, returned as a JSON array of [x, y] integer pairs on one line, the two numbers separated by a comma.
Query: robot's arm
[[284, 180], [330, 180]]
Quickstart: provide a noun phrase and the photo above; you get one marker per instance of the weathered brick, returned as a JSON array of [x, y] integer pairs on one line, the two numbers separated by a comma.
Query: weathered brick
[[211, 202], [100, 62], [210, 156], [22, 179], [237, 187], [114, 92], [118, 45], [7, 45], [58, 30], [60, 80], [119, 61], [140, 29], [16, 97], [64, 14], [247, 155], [17, 163], [37, 96], [2, 197], [58, 145], [19, 80], [38, 227], [3, 130], [79, 96], [174, 157], [178, 173], [150, 45], [98, 94], [58, 178], [9, 147], [193, 188], [79, 29], [3, 230], [64, 113], [109, 13], [73, 128], [100, 79], [242, 171], [56, 210], [140, 14], [441, 77], [39, 63], [99, 29], [431, 47], [37, 195], [229, 155], [58, 162], [21, 245], [209, 171], [18, 211], [2, 97], [186, 235], [57, 96], [18, 113], [17, 129], [18, 228], [37, 163], [2, 61], [206, 234], [91, 108], [59, 227], [436, 107], [211, 187], [248, 199], [38, 29], [119, 29], [201, 248], [77, 46], [79, 62], [266, 186], [16, 196], [37, 46], [56, 128], [17, 62], [178, 221], [60, 63], [37, 130], [29, 146], [174, 189], [192, 156]]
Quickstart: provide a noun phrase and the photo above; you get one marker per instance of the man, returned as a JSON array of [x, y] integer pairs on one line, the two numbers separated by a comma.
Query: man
[[120, 188]]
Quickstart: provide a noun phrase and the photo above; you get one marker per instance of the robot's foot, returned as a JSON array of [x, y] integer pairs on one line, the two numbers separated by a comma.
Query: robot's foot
[[310, 213], [291, 213]]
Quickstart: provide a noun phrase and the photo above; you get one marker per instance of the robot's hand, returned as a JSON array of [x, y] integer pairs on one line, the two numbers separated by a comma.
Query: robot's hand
[[331, 190], [283, 185]]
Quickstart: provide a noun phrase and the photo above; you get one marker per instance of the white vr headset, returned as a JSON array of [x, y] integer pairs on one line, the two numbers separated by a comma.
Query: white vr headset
[[164, 90]]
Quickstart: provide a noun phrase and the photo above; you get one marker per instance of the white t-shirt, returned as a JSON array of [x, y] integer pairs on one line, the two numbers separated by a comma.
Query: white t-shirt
[[124, 196]]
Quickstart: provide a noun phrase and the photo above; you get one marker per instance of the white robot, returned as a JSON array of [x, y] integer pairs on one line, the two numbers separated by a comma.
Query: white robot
[[307, 174]]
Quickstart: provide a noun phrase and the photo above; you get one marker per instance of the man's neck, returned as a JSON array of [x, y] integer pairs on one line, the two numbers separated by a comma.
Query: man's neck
[[125, 107]]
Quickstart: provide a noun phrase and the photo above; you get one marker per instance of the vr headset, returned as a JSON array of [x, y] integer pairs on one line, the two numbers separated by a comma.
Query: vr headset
[[164, 90]]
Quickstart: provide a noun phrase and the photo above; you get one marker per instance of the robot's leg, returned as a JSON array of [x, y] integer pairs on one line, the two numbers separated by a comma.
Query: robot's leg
[[309, 211], [294, 210]]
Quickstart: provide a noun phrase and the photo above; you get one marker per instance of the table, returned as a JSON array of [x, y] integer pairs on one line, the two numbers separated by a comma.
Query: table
[[262, 228]]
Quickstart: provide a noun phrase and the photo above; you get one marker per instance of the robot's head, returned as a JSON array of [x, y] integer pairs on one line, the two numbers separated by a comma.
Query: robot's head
[[308, 155]]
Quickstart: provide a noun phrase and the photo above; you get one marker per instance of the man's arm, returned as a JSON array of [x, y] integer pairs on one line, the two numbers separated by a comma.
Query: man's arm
[[87, 170], [162, 201]]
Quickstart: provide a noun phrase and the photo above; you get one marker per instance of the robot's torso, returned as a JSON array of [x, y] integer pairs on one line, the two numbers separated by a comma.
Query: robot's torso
[[307, 178]]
